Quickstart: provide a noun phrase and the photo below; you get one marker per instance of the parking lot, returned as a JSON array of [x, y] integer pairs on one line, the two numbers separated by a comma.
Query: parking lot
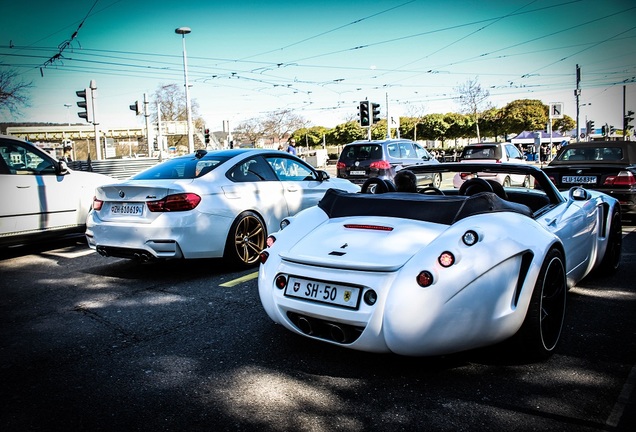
[[94, 343]]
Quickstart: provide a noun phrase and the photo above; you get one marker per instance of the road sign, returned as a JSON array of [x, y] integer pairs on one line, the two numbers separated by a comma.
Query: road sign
[[556, 110]]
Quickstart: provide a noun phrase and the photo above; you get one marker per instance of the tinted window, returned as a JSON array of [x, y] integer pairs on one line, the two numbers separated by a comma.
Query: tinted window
[[360, 152], [479, 152], [250, 170], [592, 154], [22, 158], [181, 168], [288, 169]]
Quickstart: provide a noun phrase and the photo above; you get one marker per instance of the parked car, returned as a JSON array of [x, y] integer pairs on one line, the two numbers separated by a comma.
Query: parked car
[[431, 274], [361, 160], [606, 166], [205, 205], [41, 196], [492, 153]]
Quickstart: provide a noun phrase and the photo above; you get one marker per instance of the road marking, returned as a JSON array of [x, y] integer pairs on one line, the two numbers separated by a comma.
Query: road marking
[[623, 399], [242, 279], [69, 254]]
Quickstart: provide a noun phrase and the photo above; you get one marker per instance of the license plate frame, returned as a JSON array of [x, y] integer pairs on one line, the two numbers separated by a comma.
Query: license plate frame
[[578, 179], [127, 209], [318, 291]]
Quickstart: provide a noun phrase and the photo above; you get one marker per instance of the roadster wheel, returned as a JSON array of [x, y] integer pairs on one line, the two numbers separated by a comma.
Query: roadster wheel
[[612, 257], [246, 239], [437, 180], [541, 329]]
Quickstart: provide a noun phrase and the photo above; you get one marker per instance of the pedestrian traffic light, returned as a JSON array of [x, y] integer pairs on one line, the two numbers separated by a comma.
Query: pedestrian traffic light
[[206, 135], [629, 117], [375, 113], [135, 107], [86, 103], [365, 118]]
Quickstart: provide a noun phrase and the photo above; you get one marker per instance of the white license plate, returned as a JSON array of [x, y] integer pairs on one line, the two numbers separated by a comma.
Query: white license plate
[[357, 173], [127, 209], [579, 179], [323, 292]]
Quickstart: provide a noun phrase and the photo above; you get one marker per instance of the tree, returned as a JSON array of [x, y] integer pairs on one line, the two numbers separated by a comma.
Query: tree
[[13, 92], [345, 133], [279, 125], [472, 99], [491, 123], [171, 99], [459, 126], [310, 137], [250, 131], [564, 124], [524, 115], [433, 127]]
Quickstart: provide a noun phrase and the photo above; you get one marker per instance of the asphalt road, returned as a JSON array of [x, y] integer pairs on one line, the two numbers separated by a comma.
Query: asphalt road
[[102, 344]]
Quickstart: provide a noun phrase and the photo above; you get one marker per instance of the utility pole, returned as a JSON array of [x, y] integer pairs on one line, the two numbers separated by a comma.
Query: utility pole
[[148, 134], [577, 93]]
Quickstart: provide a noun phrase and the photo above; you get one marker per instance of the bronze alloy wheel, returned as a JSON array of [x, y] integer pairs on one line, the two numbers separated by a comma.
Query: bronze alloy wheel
[[246, 239]]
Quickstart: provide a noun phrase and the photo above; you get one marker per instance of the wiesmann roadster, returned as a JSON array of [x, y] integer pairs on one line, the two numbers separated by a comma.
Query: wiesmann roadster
[[442, 270]]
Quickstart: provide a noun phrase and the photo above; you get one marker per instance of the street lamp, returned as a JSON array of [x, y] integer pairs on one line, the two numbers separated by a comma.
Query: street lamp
[[68, 117], [184, 31]]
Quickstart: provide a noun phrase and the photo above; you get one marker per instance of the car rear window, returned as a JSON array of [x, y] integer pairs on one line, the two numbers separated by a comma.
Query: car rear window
[[361, 152], [591, 154], [481, 152], [181, 168]]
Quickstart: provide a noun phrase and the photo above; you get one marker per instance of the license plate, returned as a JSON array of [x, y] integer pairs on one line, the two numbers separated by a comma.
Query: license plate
[[127, 209], [357, 173], [323, 292], [579, 179]]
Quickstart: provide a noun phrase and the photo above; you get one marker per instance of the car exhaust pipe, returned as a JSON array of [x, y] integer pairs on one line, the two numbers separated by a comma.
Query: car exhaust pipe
[[143, 256], [305, 325], [102, 251], [339, 334]]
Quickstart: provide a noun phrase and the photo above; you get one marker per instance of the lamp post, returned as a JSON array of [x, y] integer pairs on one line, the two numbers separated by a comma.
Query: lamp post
[[68, 116], [184, 31]]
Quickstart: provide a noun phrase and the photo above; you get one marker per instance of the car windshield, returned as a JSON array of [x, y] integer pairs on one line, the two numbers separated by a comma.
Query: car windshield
[[187, 167], [591, 154], [366, 151], [481, 152]]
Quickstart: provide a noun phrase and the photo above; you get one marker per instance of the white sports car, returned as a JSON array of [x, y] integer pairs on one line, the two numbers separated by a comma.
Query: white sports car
[[205, 205], [439, 271]]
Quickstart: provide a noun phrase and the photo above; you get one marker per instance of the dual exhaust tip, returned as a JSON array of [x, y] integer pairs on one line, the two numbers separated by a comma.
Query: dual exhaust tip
[[335, 332]]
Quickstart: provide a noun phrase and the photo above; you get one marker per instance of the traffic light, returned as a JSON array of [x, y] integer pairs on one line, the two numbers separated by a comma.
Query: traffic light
[[86, 103], [206, 135], [135, 107], [375, 113], [365, 119], [604, 129], [629, 117], [611, 130], [589, 127]]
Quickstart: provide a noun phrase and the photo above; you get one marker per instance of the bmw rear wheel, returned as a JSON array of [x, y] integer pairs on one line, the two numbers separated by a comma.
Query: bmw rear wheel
[[246, 239], [541, 329]]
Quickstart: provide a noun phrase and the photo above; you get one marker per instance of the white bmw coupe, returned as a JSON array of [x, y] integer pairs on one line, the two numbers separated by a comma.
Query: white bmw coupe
[[205, 205], [442, 270]]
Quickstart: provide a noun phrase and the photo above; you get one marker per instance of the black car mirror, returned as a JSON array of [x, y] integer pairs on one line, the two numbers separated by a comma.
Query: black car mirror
[[323, 175], [61, 168]]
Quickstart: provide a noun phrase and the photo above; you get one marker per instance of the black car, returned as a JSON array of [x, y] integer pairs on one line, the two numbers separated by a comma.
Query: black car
[[606, 166], [362, 160]]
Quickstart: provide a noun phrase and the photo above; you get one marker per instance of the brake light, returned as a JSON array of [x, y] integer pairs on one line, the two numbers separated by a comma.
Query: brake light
[[466, 176], [340, 165], [177, 202], [381, 165], [97, 204], [624, 178], [369, 227]]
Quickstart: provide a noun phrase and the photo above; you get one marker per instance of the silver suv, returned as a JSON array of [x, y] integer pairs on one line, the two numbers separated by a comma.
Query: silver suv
[[362, 160], [493, 153]]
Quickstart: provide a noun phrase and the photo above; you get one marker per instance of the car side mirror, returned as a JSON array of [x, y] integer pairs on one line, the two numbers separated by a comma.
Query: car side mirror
[[323, 175], [61, 168], [579, 194]]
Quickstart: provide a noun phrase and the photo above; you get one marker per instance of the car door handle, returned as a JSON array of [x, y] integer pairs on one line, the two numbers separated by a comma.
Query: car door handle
[[291, 188], [23, 187]]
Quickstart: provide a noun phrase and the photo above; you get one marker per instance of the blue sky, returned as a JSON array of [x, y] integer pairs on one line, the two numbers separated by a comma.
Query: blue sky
[[319, 59]]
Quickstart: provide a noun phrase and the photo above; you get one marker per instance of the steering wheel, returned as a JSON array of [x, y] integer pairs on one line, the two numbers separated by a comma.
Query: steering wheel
[[431, 190], [474, 186], [377, 185]]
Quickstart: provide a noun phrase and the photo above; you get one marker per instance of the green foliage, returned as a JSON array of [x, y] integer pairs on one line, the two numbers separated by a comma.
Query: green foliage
[[525, 114]]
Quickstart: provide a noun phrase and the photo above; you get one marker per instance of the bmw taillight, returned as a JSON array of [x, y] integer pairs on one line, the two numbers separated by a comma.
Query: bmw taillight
[[624, 178], [97, 204], [380, 165], [175, 203]]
